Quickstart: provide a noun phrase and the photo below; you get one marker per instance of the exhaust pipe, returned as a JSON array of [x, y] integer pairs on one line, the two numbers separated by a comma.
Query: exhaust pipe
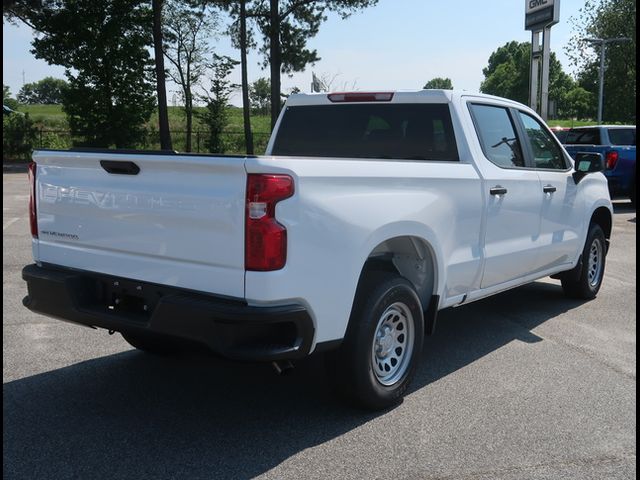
[[282, 367]]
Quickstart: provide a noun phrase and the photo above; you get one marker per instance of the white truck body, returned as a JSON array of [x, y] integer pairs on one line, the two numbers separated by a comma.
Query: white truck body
[[180, 222]]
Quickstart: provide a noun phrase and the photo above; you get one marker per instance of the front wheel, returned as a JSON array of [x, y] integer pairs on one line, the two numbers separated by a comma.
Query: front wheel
[[378, 357], [587, 285]]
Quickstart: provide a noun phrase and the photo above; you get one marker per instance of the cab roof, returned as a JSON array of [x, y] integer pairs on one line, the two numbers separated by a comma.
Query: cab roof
[[396, 96]]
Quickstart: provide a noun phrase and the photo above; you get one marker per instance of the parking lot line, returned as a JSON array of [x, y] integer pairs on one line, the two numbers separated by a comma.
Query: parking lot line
[[9, 222]]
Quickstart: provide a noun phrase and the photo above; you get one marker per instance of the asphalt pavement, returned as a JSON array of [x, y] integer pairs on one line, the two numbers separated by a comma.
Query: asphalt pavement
[[523, 385]]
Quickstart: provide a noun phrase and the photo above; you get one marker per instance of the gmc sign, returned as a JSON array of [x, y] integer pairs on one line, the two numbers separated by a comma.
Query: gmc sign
[[541, 13]]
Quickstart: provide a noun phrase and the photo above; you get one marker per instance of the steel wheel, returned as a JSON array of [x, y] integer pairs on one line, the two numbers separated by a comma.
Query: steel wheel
[[378, 357], [585, 280], [392, 344], [596, 257]]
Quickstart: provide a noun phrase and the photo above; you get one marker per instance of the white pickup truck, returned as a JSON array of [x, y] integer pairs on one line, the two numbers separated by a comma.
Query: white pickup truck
[[369, 213]]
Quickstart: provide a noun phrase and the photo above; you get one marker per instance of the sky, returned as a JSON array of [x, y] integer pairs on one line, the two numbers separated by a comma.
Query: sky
[[396, 45]]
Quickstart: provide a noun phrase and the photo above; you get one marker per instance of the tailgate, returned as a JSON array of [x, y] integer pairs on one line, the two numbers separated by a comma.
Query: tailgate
[[179, 221]]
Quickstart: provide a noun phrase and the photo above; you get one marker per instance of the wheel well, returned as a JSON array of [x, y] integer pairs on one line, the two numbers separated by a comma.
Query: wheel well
[[602, 216], [410, 257]]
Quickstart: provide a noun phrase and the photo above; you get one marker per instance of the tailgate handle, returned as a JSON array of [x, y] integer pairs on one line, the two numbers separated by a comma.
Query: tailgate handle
[[120, 168]]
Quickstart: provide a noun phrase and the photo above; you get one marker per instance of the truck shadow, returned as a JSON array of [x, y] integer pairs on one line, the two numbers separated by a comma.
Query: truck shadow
[[132, 415]]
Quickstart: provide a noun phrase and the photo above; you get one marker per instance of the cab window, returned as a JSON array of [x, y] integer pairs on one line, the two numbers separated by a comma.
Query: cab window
[[497, 135]]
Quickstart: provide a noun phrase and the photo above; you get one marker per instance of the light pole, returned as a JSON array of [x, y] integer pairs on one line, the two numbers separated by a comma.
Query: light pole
[[603, 47]]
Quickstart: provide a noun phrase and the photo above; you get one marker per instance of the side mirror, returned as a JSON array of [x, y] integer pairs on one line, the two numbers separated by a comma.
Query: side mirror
[[587, 162]]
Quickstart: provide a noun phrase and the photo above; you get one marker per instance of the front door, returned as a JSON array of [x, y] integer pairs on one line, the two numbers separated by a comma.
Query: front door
[[561, 218]]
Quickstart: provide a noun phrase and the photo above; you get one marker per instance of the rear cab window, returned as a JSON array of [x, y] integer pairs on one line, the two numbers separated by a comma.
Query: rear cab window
[[403, 131], [561, 135], [622, 136], [583, 136]]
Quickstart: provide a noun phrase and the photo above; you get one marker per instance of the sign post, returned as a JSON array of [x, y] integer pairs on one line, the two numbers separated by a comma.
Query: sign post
[[539, 17]]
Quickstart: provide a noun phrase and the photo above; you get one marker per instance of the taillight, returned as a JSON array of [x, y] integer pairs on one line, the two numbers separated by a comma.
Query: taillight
[[33, 220], [361, 97], [265, 239], [611, 159]]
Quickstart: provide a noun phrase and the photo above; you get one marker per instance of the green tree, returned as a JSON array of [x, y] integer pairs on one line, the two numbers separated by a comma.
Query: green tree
[[18, 136], [15, 11], [27, 94], [607, 19], [110, 95], [241, 36], [560, 84], [187, 30], [216, 113], [260, 94], [579, 104], [12, 103], [507, 74], [161, 84], [36, 13], [439, 83], [48, 91], [286, 25]]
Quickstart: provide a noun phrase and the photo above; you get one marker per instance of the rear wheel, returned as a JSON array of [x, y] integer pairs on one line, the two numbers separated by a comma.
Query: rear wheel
[[151, 343], [587, 285], [378, 357]]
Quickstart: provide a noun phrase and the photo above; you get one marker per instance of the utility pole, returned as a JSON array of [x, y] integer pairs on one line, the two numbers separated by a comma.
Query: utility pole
[[603, 48]]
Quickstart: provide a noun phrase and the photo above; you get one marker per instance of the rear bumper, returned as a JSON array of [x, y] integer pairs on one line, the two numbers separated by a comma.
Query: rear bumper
[[229, 327]]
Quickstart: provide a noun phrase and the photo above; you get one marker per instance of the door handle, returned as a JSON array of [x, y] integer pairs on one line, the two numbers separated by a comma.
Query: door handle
[[118, 167], [498, 190], [548, 189]]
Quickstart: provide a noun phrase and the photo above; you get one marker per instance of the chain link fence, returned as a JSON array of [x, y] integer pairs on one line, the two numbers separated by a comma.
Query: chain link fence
[[233, 141]]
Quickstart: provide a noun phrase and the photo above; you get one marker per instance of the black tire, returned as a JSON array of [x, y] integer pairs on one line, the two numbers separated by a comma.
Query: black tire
[[386, 304], [586, 285], [151, 343], [632, 194]]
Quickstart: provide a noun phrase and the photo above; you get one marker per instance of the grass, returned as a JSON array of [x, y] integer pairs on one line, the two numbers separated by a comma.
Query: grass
[[570, 123], [53, 128], [51, 117]]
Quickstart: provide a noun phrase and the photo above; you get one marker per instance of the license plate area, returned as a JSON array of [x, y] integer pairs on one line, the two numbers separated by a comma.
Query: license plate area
[[134, 299]]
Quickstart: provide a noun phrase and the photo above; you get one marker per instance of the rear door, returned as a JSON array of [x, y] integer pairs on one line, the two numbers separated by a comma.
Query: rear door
[[169, 219], [513, 197]]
